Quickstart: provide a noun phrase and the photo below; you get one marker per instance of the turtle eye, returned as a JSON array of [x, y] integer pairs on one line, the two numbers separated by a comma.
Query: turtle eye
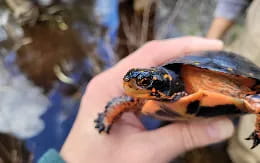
[[144, 82]]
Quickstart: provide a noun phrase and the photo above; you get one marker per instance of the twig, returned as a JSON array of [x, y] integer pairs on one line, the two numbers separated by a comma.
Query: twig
[[145, 22], [127, 30]]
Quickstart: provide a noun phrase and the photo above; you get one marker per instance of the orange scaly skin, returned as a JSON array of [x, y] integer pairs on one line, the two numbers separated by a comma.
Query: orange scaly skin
[[252, 102], [183, 91], [114, 109], [205, 98], [197, 79]]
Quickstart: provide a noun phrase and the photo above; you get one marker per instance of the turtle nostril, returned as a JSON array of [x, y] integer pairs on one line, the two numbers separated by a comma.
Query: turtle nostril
[[126, 79]]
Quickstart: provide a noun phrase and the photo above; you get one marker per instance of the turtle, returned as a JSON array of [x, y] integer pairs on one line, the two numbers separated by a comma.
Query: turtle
[[198, 85]]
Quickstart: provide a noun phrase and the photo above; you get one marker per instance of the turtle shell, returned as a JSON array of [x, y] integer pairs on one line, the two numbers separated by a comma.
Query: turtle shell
[[220, 61]]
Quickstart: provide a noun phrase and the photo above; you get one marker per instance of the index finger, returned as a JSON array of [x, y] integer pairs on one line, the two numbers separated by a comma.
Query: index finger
[[151, 54], [156, 53]]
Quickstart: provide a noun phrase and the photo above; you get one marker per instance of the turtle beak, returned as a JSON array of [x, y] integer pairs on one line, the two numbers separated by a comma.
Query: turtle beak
[[131, 89], [129, 84]]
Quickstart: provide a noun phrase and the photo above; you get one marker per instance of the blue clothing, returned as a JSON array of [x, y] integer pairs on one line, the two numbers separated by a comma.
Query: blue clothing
[[231, 9], [51, 156]]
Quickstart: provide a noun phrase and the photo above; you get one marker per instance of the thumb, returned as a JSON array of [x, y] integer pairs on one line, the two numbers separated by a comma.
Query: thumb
[[177, 138]]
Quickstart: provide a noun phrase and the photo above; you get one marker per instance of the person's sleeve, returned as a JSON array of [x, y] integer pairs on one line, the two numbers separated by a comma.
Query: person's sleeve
[[51, 156], [231, 9]]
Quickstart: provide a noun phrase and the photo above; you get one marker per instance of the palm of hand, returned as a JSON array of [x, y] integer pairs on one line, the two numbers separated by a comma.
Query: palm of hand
[[128, 140]]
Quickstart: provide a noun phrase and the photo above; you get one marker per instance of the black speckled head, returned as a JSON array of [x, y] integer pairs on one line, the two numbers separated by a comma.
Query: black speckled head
[[154, 83]]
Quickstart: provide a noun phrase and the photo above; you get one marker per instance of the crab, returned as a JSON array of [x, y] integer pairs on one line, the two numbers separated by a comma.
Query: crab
[[201, 85]]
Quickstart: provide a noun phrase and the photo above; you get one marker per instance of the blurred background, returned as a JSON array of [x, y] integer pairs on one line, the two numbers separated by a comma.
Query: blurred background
[[50, 49]]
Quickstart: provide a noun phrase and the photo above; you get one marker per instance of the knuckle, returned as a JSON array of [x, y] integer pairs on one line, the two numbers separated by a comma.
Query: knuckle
[[187, 48], [188, 137]]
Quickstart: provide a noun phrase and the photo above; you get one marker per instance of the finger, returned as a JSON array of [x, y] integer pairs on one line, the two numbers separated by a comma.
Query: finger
[[177, 138], [129, 123], [158, 52], [151, 54]]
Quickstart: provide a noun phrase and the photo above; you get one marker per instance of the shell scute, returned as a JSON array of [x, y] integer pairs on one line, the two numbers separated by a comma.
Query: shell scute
[[220, 61]]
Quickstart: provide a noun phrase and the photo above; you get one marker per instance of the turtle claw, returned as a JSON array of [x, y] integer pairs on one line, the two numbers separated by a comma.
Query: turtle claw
[[256, 142], [255, 138], [100, 125], [251, 137]]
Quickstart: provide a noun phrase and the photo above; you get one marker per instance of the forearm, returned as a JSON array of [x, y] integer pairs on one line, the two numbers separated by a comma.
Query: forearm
[[226, 13], [219, 27]]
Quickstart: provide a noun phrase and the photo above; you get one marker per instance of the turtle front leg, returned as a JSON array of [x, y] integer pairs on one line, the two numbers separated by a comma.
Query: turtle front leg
[[253, 104], [255, 136], [114, 109]]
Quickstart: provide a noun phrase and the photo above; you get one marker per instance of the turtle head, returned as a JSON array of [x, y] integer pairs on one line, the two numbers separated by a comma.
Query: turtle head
[[154, 83]]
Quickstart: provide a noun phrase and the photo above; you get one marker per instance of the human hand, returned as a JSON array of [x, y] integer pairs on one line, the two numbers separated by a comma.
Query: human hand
[[219, 27], [128, 140]]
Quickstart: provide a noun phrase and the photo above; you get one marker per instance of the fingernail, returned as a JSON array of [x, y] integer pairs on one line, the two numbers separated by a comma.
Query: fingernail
[[219, 42], [220, 128]]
